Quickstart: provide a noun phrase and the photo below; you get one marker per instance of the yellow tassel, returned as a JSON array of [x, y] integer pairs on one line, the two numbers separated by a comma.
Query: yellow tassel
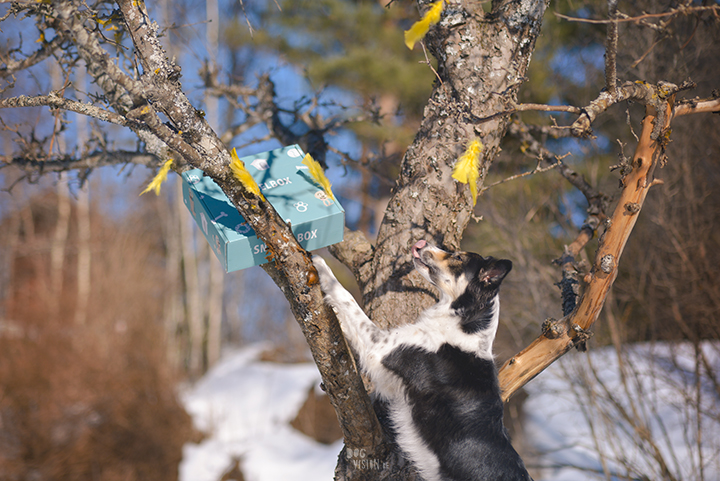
[[246, 179], [467, 168], [316, 172], [420, 28], [159, 178]]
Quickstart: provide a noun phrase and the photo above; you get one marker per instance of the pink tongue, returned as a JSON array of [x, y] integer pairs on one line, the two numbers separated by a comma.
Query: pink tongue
[[416, 248]]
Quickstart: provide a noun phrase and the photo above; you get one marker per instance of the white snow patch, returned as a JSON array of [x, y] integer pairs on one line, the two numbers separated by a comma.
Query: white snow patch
[[570, 419], [245, 407]]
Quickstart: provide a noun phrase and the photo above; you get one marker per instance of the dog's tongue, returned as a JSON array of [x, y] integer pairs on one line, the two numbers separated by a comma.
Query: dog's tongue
[[416, 248]]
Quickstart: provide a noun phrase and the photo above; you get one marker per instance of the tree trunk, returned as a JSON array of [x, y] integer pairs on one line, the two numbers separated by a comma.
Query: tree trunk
[[84, 258], [59, 242], [217, 275], [482, 60], [193, 298], [171, 209]]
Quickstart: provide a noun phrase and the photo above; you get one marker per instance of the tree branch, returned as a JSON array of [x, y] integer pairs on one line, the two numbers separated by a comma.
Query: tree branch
[[108, 75], [680, 10], [291, 266], [611, 49], [86, 162], [13, 66], [572, 330], [597, 206], [356, 252], [687, 107], [642, 92], [54, 101]]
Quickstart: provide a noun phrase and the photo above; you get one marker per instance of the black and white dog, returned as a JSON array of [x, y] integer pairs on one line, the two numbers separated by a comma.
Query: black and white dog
[[436, 376]]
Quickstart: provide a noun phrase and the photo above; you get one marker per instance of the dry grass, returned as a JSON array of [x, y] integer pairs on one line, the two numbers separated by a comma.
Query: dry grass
[[93, 401]]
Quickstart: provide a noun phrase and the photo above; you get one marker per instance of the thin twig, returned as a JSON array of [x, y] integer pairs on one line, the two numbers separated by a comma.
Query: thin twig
[[536, 170], [247, 19], [638, 18], [429, 64]]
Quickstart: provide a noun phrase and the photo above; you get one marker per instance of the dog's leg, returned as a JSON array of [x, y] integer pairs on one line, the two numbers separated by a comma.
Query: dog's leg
[[359, 330]]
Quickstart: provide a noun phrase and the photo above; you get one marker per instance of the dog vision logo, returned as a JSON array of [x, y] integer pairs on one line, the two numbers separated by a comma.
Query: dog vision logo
[[360, 460]]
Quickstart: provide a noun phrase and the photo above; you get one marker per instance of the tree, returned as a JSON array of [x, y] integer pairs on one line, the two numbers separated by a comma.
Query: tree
[[482, 60]]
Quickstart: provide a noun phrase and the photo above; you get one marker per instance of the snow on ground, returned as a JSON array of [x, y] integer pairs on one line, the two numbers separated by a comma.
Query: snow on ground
[[245, 407], [581, 406]]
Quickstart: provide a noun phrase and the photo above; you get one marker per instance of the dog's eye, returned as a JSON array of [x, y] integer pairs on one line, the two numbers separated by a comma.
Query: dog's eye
[[456, 258]]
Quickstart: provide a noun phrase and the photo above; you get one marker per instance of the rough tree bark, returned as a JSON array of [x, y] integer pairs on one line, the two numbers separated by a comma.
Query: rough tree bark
[[482, 60]]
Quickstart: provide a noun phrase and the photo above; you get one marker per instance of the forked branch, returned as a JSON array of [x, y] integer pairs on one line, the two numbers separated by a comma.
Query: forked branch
[[572, 329]]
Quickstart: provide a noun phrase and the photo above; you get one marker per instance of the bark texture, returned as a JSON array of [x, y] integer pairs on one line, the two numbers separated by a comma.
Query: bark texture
[[482, 60]]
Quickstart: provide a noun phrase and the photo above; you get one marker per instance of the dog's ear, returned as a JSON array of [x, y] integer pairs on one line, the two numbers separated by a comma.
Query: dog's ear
[[494, 273]]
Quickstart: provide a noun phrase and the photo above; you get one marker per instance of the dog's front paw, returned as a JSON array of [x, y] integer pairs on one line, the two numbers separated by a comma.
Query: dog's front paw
[[327, 278]]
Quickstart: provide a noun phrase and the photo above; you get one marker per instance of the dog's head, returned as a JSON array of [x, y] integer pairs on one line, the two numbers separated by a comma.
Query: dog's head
[[470, 282]]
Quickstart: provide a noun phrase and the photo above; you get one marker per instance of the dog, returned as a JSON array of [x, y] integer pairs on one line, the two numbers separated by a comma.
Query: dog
[[435, 379]]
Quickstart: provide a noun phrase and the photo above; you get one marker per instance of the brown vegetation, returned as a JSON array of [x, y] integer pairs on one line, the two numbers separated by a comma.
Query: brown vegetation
[[317, 419], [93, 400]]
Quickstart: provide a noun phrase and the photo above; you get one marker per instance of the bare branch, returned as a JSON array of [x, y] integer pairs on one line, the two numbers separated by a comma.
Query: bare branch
[[687, 107], [536, 170], [54, 101], [86, 162], [530, 107], [546, 108], [597, 206], [532, 145], [106, 73], [291, 267], [356, 252], [638, 91], [13, 66], [682, 9], [572, 330]]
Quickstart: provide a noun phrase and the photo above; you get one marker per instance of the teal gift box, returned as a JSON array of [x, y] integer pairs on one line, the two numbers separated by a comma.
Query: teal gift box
[[316, 220]]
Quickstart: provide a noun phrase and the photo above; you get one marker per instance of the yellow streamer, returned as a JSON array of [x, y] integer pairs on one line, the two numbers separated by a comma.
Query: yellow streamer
[[420, 28], [246, 179], [467, 168], [159, 178], [316, 172]]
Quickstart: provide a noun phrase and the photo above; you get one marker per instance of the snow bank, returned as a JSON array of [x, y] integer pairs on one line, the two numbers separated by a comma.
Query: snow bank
[[586, 413], [589, 412], [245, 407]]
